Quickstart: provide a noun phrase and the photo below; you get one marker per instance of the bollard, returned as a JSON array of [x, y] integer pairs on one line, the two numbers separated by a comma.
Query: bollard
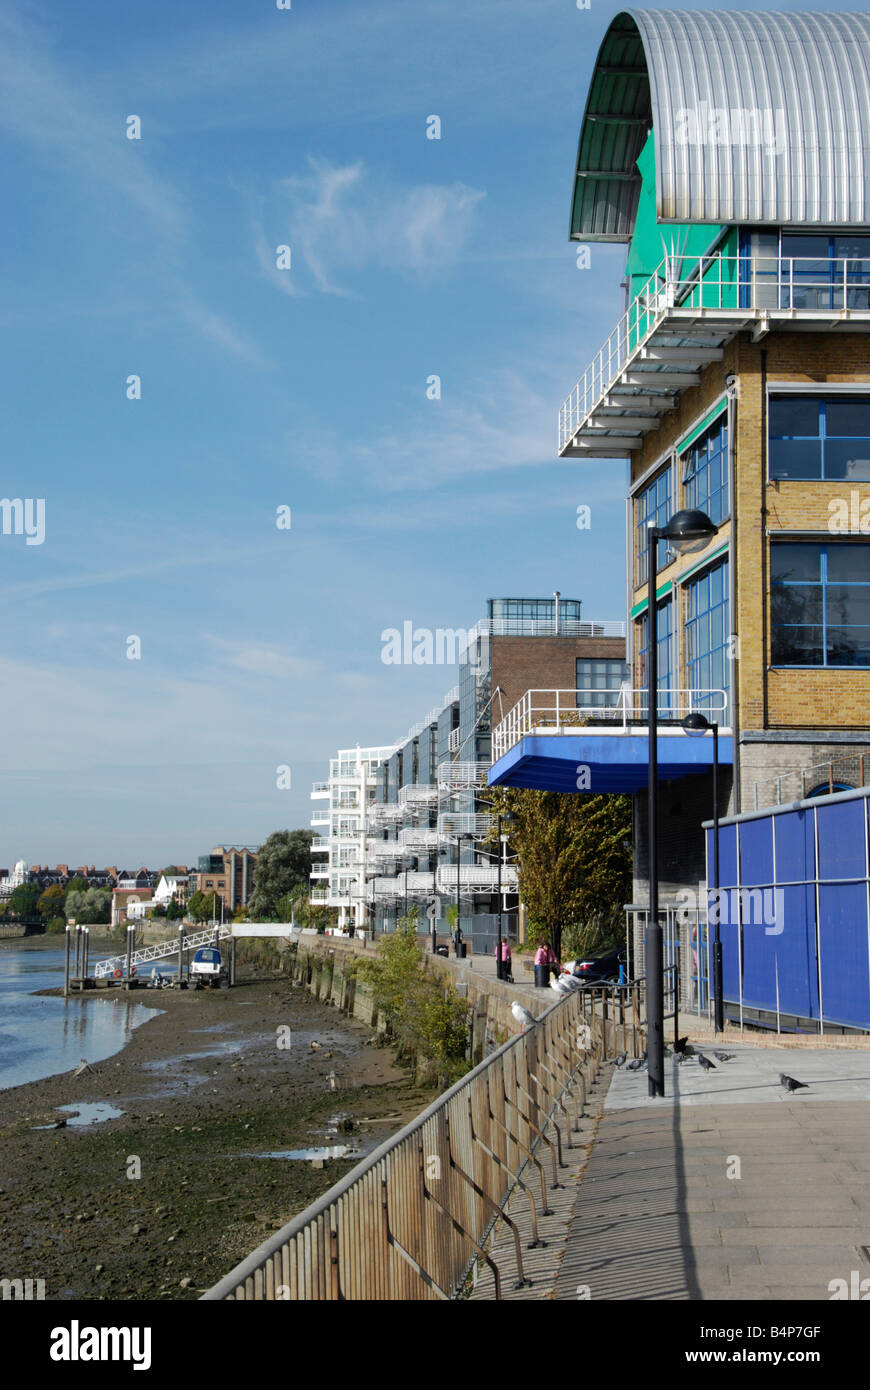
[[131, 936], [232, 961], [180, 956]]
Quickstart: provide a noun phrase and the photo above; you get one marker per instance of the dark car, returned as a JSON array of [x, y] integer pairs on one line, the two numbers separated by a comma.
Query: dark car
[[599, 967]]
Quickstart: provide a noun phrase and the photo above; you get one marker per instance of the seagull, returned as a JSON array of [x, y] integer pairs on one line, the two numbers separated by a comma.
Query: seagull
[[333, 1084], [560, 986], [724, 1056], [85, 1066], [522, 1015], [790, 1084], [315, 1046], [705, 1063]]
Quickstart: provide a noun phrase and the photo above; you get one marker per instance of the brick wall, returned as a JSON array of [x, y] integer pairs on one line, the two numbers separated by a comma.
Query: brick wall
[[543, 663]]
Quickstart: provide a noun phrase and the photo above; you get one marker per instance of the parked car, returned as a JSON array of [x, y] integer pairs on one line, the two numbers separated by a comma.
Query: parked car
[[599, 967]]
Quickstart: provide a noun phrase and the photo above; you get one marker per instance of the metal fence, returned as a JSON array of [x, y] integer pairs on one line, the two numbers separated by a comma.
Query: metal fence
[[410, 1221]]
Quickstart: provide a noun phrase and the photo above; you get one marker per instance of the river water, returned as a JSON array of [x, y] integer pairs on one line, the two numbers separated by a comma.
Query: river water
[[41, 1035]]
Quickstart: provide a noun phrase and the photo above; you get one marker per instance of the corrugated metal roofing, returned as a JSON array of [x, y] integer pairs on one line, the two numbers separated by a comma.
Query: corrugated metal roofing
[[757, 118]]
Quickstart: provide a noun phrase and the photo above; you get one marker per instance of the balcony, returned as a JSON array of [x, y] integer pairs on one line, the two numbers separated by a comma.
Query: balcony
[[570, 741], [415, 795], [318, 895], [320, 817], [320, 844], [319, 871], [383, 813], [319, 789], [568, 711], [478, 878], [416, 839], [384, 849], [681, 321], [453, 823]]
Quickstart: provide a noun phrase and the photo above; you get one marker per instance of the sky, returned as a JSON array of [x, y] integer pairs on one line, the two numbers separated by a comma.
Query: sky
[[168, 646]]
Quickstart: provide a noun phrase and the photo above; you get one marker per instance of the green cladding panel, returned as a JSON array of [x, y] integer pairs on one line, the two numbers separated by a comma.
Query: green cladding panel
[[653, 240]]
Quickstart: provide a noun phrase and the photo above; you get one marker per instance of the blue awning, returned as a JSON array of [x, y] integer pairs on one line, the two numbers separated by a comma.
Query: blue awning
[[616, 762]]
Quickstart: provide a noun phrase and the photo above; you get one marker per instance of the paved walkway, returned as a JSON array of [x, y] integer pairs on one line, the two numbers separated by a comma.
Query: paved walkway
[[728, 1188]]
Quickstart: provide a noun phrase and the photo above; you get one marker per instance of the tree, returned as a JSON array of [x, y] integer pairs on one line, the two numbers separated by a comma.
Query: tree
[[171, 871], [24, 902], [90, 906], [283, 863], [174, 910], [56, 925], [204, 907], [51, 903], [77, 884], [574, 858]]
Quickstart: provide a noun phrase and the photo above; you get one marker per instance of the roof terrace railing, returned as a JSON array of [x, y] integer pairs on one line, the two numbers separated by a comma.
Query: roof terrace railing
[[568, 711], [786, 287]]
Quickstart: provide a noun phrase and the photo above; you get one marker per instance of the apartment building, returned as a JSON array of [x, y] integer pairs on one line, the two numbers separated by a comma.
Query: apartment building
[[730, 153], [228, 871], [410, 822]]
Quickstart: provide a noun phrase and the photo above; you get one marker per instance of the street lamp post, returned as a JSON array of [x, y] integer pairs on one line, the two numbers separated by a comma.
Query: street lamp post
[[696, 725], [687, 531], [509, 818]]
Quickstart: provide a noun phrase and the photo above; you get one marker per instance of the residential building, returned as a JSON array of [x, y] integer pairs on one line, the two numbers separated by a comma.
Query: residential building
[[228, 871], [425, 835]]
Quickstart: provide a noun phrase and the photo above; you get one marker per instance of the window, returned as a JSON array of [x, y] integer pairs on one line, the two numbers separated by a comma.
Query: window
[[820, 437], [707, 633], [705, 472], [598, 682], [794, 270], [653, 505], [664, 629], [820, 603]]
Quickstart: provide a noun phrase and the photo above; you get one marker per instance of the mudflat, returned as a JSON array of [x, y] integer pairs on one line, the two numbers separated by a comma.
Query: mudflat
[[163, 1200]]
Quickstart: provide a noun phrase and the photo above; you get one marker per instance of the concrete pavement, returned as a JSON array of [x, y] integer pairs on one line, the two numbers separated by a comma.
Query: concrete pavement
[[728, 1188]]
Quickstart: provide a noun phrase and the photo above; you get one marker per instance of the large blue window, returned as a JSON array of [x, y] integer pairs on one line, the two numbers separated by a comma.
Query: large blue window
[[664, 652], [820, 437], [707, 665], [705, 472], [794, 270], [820, 603], [653, 505]]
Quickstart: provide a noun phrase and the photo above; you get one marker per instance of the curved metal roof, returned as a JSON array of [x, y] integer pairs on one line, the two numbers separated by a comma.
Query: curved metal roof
[[757, 118]]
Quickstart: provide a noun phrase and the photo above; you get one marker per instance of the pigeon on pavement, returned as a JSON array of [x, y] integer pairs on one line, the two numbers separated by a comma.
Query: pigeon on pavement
[[705, 1063], [790, 1084], [724, 1056]]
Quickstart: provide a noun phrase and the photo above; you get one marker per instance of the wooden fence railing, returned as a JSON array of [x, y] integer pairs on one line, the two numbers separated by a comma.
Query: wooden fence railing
[[410, 1220]]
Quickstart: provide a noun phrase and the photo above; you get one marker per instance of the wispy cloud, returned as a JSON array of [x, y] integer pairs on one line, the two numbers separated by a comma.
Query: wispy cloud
[[341, 220], [264, 659]]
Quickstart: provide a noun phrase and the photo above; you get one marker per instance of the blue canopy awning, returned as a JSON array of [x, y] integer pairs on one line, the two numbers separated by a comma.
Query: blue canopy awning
[[616, 762]]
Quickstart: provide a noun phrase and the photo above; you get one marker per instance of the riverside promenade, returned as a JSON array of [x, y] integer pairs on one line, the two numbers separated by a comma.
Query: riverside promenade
[[729, 1187]]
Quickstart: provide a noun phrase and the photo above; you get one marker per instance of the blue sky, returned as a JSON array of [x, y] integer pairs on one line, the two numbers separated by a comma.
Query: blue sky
[[264, 387]]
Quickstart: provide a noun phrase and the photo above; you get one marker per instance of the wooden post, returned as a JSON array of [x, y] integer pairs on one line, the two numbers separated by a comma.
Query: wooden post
[[86, 931], [180, 954], [232, 961], [69, 928], [78, 972], [131, 933]]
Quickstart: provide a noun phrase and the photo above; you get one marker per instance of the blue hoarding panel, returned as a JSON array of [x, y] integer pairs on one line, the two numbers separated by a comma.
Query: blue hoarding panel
[[845, 967], [756, 851], [794, 952], [794, 836], [842, 852]]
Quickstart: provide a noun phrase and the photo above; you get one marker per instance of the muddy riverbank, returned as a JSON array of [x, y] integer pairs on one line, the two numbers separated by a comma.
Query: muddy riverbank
[[161, 1201]]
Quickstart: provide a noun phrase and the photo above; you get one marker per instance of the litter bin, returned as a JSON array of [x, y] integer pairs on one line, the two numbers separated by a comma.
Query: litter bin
[[542, 976], [460, 950]]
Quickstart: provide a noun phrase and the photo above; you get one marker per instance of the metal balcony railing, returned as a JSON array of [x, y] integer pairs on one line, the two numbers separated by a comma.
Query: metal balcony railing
[[481, 878], [569, 711], [453, 823], [419, 837], [462, 776], [320, 817], [418, 794], [719, 287], [320, 844]]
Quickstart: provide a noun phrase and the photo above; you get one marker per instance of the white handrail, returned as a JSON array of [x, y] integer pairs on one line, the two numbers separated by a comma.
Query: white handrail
[[551, 712]]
